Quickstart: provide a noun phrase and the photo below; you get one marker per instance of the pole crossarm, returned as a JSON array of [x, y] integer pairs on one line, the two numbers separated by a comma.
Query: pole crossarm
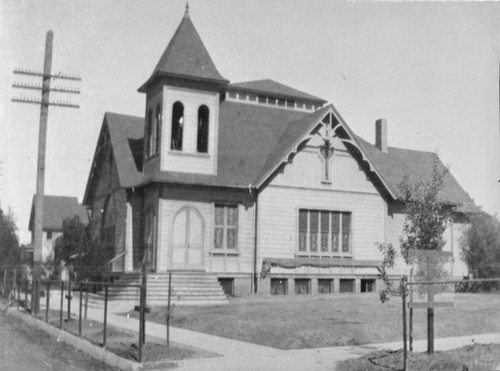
[[38, 101], [57, 89], [60, 75]]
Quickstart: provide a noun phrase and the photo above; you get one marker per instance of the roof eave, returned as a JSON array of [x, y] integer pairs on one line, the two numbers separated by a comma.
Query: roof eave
[[220, 83], [277, 95]]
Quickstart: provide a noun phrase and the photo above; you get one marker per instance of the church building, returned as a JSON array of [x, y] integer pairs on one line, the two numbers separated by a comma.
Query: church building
[[255, 185]]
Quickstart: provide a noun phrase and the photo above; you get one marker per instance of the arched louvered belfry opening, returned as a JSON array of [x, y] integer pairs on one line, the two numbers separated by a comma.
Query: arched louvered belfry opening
[[203, 125], [177, 126]]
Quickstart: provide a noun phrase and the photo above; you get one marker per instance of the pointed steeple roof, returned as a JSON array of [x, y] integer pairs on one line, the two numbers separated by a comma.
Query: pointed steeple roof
[[186, 57]]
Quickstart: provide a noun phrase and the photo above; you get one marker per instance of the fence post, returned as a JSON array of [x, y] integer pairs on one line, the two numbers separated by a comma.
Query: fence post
[[18, 285], [62, 305], [37, 293], [26, 287], [80, 312], [47, 302], [141, 320], [86, 298], [411, 312], [168, 308], [105, 314], [4, 285], [403, 296], [14, 286], [69, 296]]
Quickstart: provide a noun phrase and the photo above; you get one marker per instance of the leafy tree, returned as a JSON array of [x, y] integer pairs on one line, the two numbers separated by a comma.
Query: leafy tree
[[10, 255], [480, 247], [78, 249], [423, 229]]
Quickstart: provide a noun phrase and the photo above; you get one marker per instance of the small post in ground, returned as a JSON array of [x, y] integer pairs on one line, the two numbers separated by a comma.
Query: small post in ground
[[403, 296], [62, 305], [69, 297], [168, 307], [47, 303], [80, 311], [86, 298], [105, 315], [26, 288], [411, 312]]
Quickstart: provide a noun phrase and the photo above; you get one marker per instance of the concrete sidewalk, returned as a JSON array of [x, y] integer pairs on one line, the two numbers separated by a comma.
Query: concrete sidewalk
[[239, 355]]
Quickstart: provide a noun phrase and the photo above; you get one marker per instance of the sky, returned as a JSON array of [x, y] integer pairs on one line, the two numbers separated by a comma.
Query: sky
[[430, 69]]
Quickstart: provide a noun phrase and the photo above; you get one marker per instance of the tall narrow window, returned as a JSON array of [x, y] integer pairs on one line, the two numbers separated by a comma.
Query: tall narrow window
[[226, 227], [346, 227], [158, 127], [177, 126], [147, 134], [152, 135], [203, 114]]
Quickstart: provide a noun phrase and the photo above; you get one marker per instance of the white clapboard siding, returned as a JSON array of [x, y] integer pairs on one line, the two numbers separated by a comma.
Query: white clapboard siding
[[188, 160], [307, 167], [278, 219]]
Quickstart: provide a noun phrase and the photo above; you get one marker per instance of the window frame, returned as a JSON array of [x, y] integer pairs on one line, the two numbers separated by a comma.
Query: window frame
[[225, 250], [317, 251]]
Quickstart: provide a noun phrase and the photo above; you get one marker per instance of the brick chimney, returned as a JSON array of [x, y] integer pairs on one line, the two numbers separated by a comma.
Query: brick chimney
[[381, 135]]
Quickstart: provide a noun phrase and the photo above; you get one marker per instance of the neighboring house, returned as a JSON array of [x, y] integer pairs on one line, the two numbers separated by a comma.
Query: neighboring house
[[251, 178], [55, 210]]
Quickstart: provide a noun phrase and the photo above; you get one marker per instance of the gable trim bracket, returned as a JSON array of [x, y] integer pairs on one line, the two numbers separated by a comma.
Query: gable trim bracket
[[330, 109]]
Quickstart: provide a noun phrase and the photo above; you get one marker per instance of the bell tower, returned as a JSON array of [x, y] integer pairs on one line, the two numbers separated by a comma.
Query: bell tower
[[182, 106]]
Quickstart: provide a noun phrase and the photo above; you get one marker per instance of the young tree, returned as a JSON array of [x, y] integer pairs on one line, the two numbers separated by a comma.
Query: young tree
[[78, 249], [480, 246], [425, 222]]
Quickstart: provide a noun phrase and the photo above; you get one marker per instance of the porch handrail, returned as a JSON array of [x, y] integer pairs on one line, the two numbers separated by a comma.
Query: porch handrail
[[115, 258]]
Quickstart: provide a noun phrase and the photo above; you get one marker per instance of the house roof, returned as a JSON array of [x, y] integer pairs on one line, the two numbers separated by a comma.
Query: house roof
[[55, 210], [186, 57], [274, 88], [397, 163]]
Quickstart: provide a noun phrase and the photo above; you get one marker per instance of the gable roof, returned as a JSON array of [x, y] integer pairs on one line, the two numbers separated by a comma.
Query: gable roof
[[254, 140], [55, 210], [274, 88], [186, 57], [126, 139], [126, 136]]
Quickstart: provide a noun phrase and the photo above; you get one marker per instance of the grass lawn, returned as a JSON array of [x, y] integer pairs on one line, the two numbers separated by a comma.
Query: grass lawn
[[470, 358], [125, 343], [293, 322]]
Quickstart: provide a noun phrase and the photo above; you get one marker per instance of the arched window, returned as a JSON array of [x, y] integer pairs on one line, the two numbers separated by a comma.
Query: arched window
[[177, 126], [203, 113], [147, 134], [158, 127]]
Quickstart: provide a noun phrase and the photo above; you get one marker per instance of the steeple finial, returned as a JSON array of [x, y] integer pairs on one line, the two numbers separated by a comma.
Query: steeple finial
[[186, 13]]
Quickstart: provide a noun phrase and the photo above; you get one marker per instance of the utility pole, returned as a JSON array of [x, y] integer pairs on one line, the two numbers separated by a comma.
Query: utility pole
[[44, 103]]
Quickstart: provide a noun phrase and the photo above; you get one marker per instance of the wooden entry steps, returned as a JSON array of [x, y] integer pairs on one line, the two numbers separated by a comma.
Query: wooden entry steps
[[188, 288]]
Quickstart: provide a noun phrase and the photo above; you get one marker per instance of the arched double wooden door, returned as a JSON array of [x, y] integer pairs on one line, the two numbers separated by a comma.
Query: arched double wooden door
[[187, 239]]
